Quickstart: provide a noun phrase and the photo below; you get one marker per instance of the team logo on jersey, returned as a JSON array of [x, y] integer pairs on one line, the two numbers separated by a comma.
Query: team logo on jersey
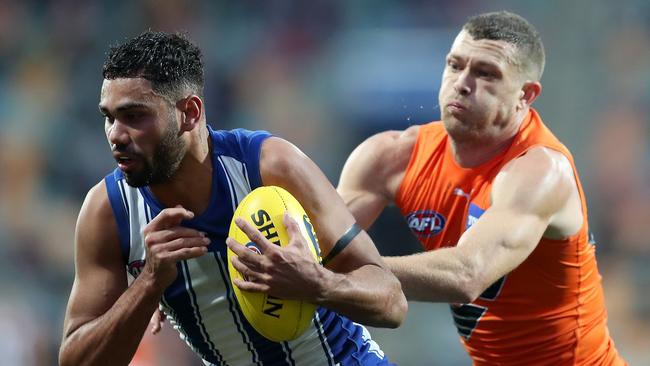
[[426, 223], [135, 267], [473, 213]]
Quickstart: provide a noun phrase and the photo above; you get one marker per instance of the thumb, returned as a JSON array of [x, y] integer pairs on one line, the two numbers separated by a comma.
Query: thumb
[[156, 321]]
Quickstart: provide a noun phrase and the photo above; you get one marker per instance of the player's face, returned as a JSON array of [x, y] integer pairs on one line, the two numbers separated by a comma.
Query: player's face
[[142, 130], [480, 87]]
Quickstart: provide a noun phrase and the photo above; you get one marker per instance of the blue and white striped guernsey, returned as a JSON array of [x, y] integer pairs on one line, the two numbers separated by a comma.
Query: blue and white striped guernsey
[[200, 303]]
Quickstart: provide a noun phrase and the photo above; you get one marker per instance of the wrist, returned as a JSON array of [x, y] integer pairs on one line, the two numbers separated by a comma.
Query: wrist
[[326, 285], [149, 285]]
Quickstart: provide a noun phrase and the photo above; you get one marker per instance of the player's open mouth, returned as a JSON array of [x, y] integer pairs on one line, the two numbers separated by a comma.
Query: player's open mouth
[[124, 162]]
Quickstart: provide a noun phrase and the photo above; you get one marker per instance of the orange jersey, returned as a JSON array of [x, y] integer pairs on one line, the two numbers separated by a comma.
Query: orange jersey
[[549, 310]]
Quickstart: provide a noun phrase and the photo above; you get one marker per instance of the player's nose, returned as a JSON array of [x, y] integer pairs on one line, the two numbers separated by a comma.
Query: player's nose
[[117, 134], [462, 83]]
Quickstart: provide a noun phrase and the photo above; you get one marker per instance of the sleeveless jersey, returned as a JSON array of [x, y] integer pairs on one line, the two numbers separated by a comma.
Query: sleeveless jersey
[[200, 303], [550, 309]]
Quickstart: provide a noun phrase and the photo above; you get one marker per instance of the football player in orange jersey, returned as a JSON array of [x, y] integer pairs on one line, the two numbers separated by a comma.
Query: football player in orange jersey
[[495, 199]]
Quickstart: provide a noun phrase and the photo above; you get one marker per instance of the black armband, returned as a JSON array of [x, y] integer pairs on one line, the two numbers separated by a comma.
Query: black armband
[[343, 242]]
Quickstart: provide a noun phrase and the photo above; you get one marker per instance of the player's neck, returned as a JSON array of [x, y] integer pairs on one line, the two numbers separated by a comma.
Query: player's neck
[[472, 152], [191, 185]]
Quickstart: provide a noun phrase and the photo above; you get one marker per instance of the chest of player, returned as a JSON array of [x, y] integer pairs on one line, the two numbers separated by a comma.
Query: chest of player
[[444, 200]]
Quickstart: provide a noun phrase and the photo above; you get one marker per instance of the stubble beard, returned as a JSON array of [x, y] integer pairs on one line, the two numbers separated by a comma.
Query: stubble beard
[[166, 159]]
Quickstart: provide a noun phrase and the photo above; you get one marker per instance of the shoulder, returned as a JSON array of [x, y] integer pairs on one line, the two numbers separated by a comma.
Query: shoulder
[[378, 164], [387, 152], [278, 155], [237, 142], [96, 224], [542, 179], [541, 162], [96, 203]]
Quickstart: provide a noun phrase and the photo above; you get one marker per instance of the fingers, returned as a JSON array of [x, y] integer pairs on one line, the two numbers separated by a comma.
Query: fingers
[[156, 322], [249, 265], [181, 248], [250, 270], [169, 217], [253, 234], [241, 250], [251, 286], [170, 234]]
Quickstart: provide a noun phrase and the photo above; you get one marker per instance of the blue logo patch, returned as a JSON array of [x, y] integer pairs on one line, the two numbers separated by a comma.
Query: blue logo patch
[[426, 223], [473, 213]]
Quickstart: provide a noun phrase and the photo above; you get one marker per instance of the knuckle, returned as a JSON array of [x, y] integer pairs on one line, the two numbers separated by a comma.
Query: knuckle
[[149, 240], [256, 236]]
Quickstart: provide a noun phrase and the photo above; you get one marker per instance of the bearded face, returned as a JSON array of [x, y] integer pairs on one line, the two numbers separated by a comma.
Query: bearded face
[[143, 131], [163, 163]]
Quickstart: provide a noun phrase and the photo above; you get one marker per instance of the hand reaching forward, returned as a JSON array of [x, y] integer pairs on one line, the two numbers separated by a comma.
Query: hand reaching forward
[[166, 242], [289, 272]]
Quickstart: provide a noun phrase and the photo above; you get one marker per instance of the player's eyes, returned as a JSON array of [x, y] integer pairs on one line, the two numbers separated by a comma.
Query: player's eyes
[[453, 65], [108, 119]]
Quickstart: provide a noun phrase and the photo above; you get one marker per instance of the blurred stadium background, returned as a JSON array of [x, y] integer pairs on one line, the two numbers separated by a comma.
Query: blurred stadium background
[[325, 75]]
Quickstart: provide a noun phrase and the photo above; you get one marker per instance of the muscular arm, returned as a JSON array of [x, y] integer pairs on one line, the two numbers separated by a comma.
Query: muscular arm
[[104, 320], [103, 326], [356, 282], [372, 174], [527, 196]]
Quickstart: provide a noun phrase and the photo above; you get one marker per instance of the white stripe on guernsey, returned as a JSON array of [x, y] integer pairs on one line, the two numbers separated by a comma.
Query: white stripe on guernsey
[[233, 197], [287, 351], [307, 349], [223, 267], [245, 173], [195, 304], [137, 221], [238, 179], [171, 318], [123, 194], [220, 320]]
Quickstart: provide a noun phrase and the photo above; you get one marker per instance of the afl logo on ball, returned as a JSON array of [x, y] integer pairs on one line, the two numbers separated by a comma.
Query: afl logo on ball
[[425, 223], [253, 248]]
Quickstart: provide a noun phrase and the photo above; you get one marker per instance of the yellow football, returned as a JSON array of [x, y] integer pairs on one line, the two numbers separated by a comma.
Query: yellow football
[[274, 318]]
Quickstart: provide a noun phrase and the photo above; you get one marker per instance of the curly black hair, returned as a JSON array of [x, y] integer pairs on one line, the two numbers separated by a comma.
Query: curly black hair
[[512, 28], [171, 62]]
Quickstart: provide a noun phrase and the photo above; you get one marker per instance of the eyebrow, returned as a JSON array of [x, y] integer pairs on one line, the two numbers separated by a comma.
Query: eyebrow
[[125, 107], [487, 64]]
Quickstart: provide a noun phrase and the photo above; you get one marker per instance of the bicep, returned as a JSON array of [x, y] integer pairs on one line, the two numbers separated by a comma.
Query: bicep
[[525, 197], [285, 166], [100, 276], [499, 242], [366, 175]]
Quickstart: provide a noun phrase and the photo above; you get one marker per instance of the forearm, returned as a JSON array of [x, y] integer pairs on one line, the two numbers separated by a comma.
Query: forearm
[[443, 275], [368, 295], [112, 338]]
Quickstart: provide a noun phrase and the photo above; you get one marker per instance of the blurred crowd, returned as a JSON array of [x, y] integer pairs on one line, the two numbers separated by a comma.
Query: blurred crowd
[[325, 75]]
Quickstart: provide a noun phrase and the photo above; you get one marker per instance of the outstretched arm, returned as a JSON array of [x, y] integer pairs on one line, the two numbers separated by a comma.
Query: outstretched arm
[[527, 196], [104, 320], [373, 172], [356, 282]]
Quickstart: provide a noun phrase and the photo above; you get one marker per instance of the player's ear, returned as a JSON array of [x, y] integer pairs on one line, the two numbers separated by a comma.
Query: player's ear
[[191, 109], [529, 92]]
